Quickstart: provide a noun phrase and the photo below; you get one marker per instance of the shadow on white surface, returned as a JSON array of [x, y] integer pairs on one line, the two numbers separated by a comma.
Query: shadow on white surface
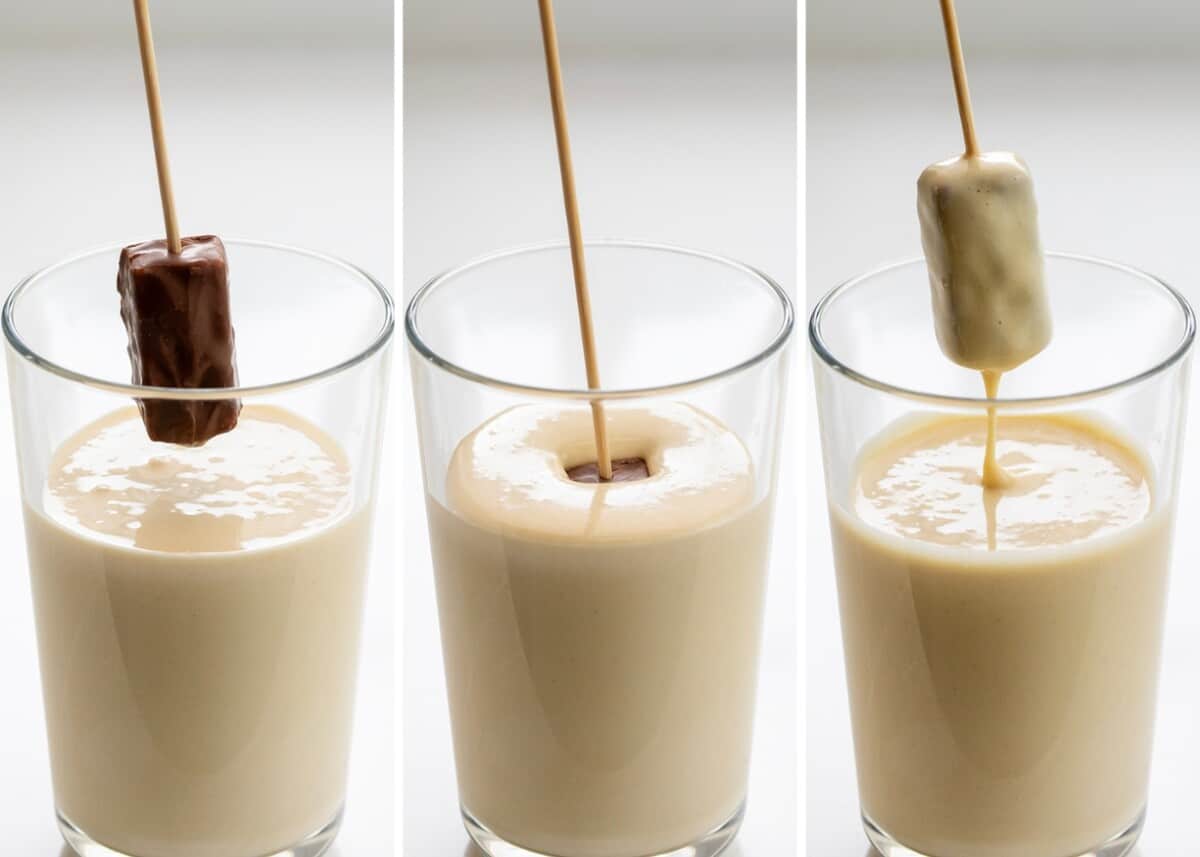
[[734, 850], [332, 852], [1136, 852], [335, 851], [871, 852]]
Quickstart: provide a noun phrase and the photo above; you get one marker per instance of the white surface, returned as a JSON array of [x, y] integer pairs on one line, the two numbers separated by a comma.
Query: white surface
[[293, 148], [681, 150], [1115, 172]]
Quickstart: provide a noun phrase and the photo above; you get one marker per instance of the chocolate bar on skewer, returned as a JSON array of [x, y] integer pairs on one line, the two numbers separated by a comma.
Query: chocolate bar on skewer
[[175, 307]]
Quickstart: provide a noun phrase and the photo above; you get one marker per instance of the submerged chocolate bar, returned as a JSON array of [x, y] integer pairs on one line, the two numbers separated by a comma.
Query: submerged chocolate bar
[[623, 470], [176, 312]]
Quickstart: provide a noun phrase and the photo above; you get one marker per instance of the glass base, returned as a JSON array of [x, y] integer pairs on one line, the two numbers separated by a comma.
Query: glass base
[[1117, 846], [709, 845], [313, 845]]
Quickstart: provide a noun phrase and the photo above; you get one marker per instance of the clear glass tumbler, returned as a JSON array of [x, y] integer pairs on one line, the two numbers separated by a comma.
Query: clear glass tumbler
[[198, 609], [600, 641], [1002, 701]]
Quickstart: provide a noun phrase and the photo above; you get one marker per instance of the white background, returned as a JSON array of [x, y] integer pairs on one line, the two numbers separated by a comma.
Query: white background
[[653, 28], [1090, 94], [277, 132], [682, 142], [1014, 28], [246, 23]]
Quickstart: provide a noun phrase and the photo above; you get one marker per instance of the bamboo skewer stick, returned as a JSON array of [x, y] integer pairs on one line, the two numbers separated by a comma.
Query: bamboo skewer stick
[[959, 69], [571, 203], [141, 11]]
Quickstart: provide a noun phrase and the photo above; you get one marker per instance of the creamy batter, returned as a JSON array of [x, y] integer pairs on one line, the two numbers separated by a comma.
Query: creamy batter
[[198, 616], [994, 477], [1002, 645], [601, 640]]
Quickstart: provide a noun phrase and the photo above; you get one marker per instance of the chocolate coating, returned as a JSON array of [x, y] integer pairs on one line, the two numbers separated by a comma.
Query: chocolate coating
[[176, 313], [624, 470]]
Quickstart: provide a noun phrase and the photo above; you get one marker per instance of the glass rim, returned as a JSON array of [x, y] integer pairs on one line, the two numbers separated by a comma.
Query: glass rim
[[776, 343], [378, 341], [822, 350]]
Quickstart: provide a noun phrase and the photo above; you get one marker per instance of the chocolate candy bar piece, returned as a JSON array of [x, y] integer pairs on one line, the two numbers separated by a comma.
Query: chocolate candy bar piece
[[176, 312], [623, 470]]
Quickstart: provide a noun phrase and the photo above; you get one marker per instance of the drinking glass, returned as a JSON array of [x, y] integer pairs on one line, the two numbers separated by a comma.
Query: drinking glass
[[929, 647], [601, 683], [199, 688]]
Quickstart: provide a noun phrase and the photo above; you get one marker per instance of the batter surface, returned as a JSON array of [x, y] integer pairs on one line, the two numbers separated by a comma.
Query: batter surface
[[1067, 481]]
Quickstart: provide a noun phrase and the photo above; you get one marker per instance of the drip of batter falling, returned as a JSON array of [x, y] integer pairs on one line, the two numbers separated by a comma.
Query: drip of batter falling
[[995, 479]]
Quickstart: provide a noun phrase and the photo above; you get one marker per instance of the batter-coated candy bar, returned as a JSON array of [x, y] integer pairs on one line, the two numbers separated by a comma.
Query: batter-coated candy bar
[[979, 230], [176, 312]]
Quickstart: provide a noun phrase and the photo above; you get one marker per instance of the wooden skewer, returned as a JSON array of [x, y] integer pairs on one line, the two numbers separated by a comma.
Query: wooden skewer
[[570, 201], [959, 69], [141, 11]]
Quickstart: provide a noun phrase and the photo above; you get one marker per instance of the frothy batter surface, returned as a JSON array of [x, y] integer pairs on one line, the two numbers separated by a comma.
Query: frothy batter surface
[[510, 474], [276, 477], [1071, 481]]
